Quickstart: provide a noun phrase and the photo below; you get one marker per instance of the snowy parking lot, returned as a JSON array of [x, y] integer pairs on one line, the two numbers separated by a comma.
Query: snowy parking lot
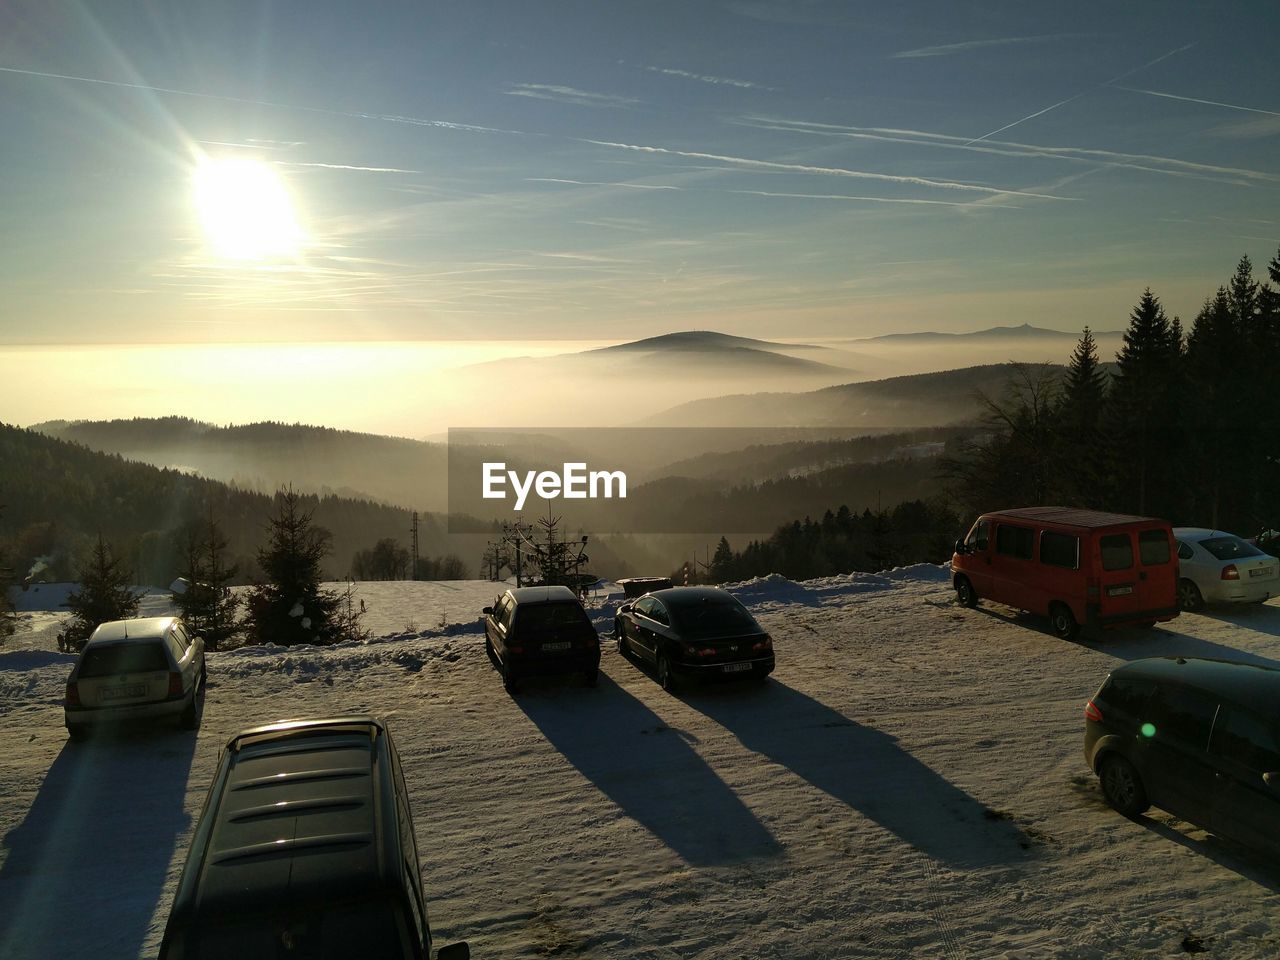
[[910, 782]]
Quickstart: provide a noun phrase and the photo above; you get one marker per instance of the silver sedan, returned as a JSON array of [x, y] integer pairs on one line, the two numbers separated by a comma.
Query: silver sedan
[[1219, 567]]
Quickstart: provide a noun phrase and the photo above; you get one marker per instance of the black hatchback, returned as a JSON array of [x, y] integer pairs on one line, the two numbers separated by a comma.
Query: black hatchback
[[540, 631], [1198, 738], [694, 633]]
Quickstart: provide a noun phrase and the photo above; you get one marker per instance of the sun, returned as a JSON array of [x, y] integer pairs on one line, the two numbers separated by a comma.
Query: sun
[[246, 209]]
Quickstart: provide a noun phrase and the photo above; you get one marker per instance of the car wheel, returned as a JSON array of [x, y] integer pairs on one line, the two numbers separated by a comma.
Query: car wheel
[[508, 680], [622, 641], [1063, 621], [488, 650], [593, 677], [666, 679], [1189, 596], [1122, 787], [78, 734], [190, 717], [966, 596]]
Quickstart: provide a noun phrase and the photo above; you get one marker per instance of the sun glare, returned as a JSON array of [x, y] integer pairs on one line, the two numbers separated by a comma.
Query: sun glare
[[246, 210]]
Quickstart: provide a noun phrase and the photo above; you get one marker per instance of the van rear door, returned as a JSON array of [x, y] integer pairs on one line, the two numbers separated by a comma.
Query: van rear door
[[1120, 593], [1157, 569]]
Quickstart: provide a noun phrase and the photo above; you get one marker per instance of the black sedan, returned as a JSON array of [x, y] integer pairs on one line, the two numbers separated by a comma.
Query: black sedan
[[694, 633]]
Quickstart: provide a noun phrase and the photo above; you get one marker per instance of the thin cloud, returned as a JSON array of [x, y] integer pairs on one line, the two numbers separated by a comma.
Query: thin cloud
[[1167, 166], [347, 166], [750, 193], [821, 171], [545, 91], [1210, 103], [1105, 83], [705, 78], [950, 48]]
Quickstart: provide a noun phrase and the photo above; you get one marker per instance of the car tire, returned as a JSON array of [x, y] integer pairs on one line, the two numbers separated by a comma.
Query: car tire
[[622, 642], [966, 596], [1122, 787], [593, 677], [77, 734], [1063, 621], [509, 682], [1189, 596], [189, 719], [666, 678]]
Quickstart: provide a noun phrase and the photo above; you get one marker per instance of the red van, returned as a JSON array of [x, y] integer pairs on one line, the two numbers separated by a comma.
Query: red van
[[1077, 567]]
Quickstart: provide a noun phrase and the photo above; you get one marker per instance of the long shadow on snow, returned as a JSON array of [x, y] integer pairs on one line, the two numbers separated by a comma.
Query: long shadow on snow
[[84, 871], [867, 770], [1133, 643], [1262, 617], [651, 772]]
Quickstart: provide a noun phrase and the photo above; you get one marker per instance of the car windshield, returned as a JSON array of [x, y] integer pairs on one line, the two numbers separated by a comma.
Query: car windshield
[[549, 617], [1230, 548], [123, 658], [706, 619]]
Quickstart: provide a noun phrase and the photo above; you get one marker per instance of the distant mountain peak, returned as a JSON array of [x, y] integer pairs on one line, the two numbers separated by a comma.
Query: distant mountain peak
[[698, 340]]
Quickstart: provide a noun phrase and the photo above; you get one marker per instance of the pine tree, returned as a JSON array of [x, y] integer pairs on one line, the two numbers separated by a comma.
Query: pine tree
[[7, 619], [290, 607], [1081, 426], [103, 595], [722, 562], [1145, 435], [207, 605]]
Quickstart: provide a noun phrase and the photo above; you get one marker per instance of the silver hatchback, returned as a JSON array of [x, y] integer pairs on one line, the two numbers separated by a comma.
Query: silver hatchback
[[150, 668]]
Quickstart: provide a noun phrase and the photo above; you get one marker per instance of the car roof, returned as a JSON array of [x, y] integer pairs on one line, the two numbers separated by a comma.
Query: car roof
[[296, 817], [1250, 685], [542, 594], [1183, 533], [1071, 516], [138, 630], [625, 580], [684, 595]]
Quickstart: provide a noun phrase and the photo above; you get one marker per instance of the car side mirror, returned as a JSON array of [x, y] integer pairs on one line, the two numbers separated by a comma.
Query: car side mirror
[[961, 549], [1272, 780], [455, 951], [626, 608], [487, 611]]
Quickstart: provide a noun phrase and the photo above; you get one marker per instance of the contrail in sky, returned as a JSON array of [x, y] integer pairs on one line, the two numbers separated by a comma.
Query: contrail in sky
[[1107, 83], [1211, 103]]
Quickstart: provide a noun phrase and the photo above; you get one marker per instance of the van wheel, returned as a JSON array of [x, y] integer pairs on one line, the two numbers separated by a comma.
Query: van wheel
[[1122, 786], [1063, 621], [965, 594], [1189, 597]]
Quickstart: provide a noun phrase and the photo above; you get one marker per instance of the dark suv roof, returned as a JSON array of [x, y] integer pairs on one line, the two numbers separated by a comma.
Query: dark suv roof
[[295, 817], [1250, 685]]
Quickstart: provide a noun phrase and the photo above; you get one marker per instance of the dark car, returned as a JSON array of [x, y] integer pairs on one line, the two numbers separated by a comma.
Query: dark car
[[305, 848], [694, 633], [540, 631], [1199, 738]]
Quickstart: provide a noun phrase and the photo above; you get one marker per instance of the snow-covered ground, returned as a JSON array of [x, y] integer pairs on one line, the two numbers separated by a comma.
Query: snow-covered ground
[[909, 784]]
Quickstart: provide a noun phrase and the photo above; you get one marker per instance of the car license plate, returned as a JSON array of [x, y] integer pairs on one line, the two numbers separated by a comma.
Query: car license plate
[[736, 667], [123, 693], [557, 645], [1261, 571], [1123, 591]]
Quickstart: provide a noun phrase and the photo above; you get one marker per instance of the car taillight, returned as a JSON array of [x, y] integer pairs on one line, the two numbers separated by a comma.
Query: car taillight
[[1091, 712], [73, 694], [175, 684], [511, 649], [1229, 572], [765, 644]]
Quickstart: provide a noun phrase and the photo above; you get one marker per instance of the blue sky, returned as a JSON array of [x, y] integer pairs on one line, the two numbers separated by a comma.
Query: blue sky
[[585, 170]]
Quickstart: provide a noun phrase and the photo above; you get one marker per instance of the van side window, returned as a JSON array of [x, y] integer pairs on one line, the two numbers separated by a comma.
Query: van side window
[[979, 537], [1183, 716], [1247, 740], [1153, 547], [1059, 549], [1014, 541], [1117, 551]]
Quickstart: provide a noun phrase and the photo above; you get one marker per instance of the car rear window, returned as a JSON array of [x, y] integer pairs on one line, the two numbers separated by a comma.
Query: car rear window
[[708, 619], [123, 658], [1230, 548], [1153, 547], [549, 617], [1117, 551]]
